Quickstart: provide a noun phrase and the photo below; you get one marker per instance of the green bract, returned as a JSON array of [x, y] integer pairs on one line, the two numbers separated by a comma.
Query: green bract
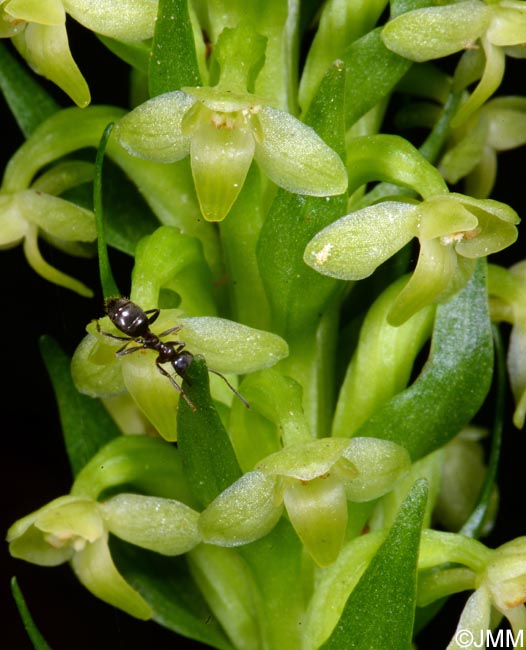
[[452, 230], [38, 30]]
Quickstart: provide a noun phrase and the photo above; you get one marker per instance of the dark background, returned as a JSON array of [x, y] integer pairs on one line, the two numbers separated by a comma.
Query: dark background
[[34, 465]]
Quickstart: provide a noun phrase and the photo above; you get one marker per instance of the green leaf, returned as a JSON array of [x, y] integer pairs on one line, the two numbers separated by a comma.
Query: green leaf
[[475, 524], [297, 293], [454, 382], [209, 461], [86, 424], [166, 584], [372, 73], [380, 611], [38, 641], [107, 281], [27, 100], [173, 60]]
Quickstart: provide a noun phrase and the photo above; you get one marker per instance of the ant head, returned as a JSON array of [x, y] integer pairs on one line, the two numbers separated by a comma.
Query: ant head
[[182, 363], [113, 305]]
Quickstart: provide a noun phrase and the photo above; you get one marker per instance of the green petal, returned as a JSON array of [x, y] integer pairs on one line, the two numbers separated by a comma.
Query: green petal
[[466, 154], [318, 512], [244, 512], [507, 123], [151, 391], [126, 20], [231, 347], [379, 463], [28, 542], [355, 245], [13, 226], [46, 49], [495, 235], [496, 208], [442, 217], [95, 369], [508, 26], [475, 619], [296, 158], [306, 460], [153, 129], [162, 525], [97, 572], [48, 272], [45, 12], [220, 160], [433, 276], [490, 81], [435, 32], [57, 216]]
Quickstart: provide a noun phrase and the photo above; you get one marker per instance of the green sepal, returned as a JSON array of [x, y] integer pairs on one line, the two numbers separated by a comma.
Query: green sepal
[[275, 414], [209, 461], [169, 259], [436, 32], [380, 610], [173, 60], [385, 157], [86, 425], [295, 292], [34, 634], [166, 526], [27, 100], [171, 592], [455, 381], [151, 465], [244, 512], [382, 362]]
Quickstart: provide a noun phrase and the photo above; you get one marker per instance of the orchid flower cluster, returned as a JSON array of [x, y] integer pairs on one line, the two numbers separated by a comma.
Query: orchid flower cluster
[[334, 272]]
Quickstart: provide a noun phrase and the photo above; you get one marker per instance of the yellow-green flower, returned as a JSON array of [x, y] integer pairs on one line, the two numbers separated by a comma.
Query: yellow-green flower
[[313, 481], [75, 529], [28, 214], [487, 31], [508, 303], [453, 230], [38, 31]]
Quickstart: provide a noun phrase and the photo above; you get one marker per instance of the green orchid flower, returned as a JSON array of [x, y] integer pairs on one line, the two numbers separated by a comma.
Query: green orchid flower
[[313, 481], [224, 127], [508, 304], [38, 31], [37, 211], [75, 529], [228, 347], [453, 230], [471, 153], [501, 589], [487, 31]]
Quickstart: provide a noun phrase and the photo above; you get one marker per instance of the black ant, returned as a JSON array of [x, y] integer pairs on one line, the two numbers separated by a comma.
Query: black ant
[[130, 319]]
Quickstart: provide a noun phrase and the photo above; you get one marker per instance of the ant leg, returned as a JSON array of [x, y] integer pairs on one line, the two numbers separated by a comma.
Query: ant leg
[[124, 350], [175, 385], [154, 314], [171, 331], [237, 393]]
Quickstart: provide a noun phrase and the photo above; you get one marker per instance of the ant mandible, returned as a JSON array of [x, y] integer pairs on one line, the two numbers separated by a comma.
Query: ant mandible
[[132, 320]]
